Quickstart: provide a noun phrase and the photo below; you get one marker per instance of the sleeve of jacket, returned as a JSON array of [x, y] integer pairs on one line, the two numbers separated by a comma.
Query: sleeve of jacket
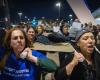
[[44, 63], [97, 65], [47, 64], [60, 74]]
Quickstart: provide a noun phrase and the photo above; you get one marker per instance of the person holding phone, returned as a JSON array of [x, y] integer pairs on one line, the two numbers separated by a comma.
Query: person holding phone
[[84, 63], [18, 61]]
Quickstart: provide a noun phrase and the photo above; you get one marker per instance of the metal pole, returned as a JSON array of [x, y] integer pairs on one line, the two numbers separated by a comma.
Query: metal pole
[[20, 16], [59, 13], [6, 12]]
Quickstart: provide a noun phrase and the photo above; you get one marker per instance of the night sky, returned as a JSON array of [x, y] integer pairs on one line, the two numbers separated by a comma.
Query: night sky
[[44, 8]]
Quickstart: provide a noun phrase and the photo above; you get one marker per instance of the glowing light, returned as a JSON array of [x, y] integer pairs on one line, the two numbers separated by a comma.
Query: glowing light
[[34, 22]]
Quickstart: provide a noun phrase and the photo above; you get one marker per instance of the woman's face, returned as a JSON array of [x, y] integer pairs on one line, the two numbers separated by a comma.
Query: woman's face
[[39, 29], [86, 43], [17, 41], [65, 30], [31, 33]]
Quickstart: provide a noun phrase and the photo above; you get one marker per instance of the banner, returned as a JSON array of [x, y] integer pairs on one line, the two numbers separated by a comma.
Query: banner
[[81, 11]]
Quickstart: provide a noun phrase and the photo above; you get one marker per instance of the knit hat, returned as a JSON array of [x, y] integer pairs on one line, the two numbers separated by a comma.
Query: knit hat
[[79, 34]]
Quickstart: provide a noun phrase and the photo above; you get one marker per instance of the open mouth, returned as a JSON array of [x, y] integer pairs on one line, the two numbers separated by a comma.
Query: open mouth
[[90, 48], [20, 47]]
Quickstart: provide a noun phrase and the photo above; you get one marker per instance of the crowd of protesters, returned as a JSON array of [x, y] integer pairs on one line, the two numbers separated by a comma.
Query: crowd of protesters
[[19, 62]]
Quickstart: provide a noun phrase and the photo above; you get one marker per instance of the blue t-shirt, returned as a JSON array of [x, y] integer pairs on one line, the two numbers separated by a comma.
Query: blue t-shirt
[[20, 69]]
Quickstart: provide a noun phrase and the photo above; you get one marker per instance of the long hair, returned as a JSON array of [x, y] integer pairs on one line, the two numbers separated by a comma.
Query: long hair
[[34, 37], [6, 45], [2, 36], [61, 29], [7, 40]]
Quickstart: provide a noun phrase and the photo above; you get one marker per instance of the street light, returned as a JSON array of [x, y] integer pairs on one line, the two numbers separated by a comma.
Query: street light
[[26, 17], [20, 15], [58, 5], [70, 15]]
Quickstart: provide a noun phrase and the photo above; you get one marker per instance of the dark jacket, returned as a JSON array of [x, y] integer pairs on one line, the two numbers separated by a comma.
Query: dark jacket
[[82, 71], [97, 65], [57, 37]]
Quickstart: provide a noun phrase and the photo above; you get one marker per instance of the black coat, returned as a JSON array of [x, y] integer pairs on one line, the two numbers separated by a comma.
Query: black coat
[[82, 71]]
